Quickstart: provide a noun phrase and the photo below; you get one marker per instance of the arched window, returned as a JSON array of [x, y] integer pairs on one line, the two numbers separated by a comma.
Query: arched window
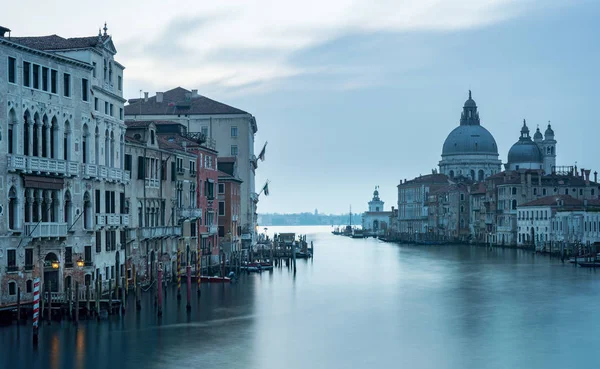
[[97, 146], [87, 211], [67, 141], [55, 207], [473, 174], [26, 129], [13, 209], [36, 134], [480, 175], [112, 149], [106, 148], [514, 205], [84, 144], [67, 208], [12, 132], [45, 136], [12, 288], [54, 139]]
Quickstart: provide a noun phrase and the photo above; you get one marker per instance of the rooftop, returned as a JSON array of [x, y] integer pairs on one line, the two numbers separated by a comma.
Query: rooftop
[[55, 42], [179, 101]]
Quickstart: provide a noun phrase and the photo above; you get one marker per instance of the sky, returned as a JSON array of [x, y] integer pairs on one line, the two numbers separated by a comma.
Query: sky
[[351, 94]]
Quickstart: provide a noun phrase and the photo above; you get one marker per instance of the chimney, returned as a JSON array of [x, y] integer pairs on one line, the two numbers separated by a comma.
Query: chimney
[[194, 93], [145, 97], [582, 171], [159, 97], [587, 177]]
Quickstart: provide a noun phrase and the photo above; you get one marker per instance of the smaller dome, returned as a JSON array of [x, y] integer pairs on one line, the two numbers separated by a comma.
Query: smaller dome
[[525, 152], [538, 135], [470, 103], [549, 132]]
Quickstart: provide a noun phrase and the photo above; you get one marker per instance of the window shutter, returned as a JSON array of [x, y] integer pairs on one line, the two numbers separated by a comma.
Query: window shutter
[[141, 167]]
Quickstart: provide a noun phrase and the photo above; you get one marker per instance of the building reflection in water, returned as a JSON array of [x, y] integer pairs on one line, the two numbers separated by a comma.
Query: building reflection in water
[[80, 348], [55, 352]]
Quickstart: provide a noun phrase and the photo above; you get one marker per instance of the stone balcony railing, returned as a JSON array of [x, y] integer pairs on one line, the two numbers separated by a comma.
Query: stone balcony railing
[[106, 173], [152, 182], [46, 229], [112, 220], [190, 213], [34, 164], [213, 229], [159, 232]]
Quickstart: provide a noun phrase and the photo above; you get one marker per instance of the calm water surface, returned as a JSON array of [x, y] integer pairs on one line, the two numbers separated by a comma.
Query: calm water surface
[[358, 304]]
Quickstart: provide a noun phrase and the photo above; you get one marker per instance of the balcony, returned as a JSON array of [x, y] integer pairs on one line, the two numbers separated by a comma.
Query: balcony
[[111, 220], [234, 218], [180, 170], [34, 164], [12, 268], [46, 230], [159, 232], [190, 213], [213, 229], [109, 174], [152, 183]]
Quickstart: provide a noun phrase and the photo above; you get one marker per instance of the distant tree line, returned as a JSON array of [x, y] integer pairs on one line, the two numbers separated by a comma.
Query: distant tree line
[[276, 219]]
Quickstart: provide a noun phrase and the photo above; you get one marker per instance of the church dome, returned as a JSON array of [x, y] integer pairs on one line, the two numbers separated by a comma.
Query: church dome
[[525, 150], [469, 139], [549, 132]]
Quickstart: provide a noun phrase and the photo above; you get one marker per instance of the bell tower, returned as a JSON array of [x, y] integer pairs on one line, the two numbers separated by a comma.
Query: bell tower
[[549, 150], [376, 204]]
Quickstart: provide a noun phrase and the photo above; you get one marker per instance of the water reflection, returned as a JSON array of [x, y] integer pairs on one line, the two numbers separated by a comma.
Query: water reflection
[[358, 304]]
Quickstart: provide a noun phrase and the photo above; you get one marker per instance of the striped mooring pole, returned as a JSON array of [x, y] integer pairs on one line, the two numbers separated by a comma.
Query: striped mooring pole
[[178, 274], [36, 309], [198, 263]]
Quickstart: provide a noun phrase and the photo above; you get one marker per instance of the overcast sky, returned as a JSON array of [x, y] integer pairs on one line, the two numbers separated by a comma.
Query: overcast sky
[[353, 94]]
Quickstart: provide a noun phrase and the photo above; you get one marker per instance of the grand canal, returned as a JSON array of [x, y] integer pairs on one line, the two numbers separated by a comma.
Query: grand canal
[[358, 304]]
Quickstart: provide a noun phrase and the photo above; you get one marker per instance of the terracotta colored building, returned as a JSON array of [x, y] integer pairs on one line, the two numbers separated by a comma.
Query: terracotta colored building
[[229, 190]]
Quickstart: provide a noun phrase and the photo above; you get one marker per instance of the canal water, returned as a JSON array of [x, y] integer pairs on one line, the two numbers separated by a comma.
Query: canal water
[[358, 304]]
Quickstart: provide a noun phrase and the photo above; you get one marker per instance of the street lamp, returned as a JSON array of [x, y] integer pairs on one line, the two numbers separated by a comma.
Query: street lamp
[[80, 262], [55, 264]]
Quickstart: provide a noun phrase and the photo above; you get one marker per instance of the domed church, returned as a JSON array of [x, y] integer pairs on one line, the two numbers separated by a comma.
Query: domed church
[[470, 150], [539, 153]]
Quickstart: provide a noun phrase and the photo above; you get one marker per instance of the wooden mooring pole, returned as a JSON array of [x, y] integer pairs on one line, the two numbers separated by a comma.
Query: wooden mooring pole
[[49, 296], [189, 287], [18, 305], [159, 289], [76, 302], [138, 294], [110, 297]]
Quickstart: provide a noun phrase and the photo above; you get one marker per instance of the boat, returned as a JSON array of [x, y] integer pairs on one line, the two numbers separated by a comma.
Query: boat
[[581, 259], [358, 233], [214, 279], [589, 264]]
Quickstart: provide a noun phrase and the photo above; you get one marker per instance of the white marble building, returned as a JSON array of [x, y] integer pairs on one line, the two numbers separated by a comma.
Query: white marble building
[[62, 179], [470, 150], [376, 219]]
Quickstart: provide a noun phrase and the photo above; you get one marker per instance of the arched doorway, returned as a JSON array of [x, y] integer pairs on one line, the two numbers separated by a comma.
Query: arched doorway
[[375, 225], [51, 267]]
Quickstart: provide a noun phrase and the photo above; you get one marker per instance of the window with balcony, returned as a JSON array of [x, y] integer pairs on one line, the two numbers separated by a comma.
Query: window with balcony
[[11, 260], [192, 168], [209, 190]]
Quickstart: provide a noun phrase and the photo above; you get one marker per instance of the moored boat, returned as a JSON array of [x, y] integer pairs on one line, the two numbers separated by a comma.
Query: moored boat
[[214, 279]]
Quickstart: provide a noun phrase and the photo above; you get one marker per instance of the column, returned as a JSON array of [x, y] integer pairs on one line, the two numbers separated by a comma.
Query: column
[[48, 131], [40, 197], [29, 204], [48, 209], [40, 133], [30, 137]]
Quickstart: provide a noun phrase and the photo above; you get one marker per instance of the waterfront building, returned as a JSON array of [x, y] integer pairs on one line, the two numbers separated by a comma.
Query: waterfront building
[[376, 220], [229, 189], [413, 199], [62, 175], [477, 214], [558, 220], [232, 131], [470, 150], [507, 190], [539, 153], [162, 189], [448, 213]]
